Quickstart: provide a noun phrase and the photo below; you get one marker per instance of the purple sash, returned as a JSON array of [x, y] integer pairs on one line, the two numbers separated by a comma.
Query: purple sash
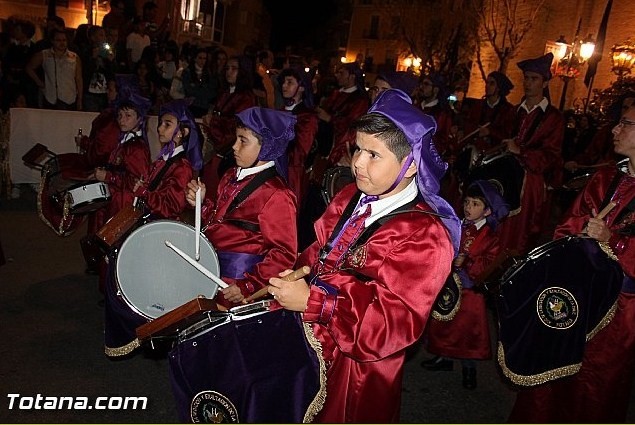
[[235, 264]]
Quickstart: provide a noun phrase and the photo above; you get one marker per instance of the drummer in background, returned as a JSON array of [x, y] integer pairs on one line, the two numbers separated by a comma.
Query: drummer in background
[[257, 238], [466, 335], [128, 162], [163, 195], [163, 191], [600, 149], [600, 391], [297, 94], [495, 110], [402, 80], [368, 304], [537, 144]]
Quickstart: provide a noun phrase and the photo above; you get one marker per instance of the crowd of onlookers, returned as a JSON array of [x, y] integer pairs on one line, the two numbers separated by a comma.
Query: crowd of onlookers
[[71, 68]]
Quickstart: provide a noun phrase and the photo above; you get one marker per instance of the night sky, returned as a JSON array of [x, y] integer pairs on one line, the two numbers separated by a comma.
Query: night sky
[[292, 26]]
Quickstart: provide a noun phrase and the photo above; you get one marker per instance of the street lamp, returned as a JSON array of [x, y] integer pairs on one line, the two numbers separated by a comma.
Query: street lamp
[[570, 59], [623, 56]]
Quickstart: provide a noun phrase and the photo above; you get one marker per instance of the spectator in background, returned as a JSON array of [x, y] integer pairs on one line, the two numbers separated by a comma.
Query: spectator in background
[[197, 83], [116, 18], [158, 33], [97, 67], [62, 85], [265, 84], [52, 22], [219, 126], [217, 62], [136, 41], [17, 57]]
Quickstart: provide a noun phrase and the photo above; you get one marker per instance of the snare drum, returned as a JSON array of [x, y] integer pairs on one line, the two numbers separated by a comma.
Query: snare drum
[[152, 279], [334, 180], [551, 302], [87, 197], [506, 173], [252, 364]]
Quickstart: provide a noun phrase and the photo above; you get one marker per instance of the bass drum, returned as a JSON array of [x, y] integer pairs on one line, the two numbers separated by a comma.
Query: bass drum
[[550, 303], [506, 173], [152, 279], [256, 363]]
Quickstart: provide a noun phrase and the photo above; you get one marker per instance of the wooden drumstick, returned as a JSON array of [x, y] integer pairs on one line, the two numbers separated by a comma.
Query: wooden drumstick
[[607, 209], [294, 275], [197, 266], [473, 133]]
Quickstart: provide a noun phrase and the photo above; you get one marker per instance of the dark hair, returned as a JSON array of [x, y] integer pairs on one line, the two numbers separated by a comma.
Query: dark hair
[[149, 5], [384, 129], [474, 191]]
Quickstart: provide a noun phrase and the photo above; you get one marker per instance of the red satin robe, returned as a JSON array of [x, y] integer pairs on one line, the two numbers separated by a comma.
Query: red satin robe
[[466, 336], [272, 206], [600, 391], [103, 139], [366, 327], [305, 131], [344, 108], [541, 158], [132, 160], [168, 199], [222, 132]]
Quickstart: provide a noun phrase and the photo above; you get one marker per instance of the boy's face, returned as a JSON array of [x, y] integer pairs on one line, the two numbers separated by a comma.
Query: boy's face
[[474, 209], [376, 168], [128, 119], [167, 129], [246, 148]]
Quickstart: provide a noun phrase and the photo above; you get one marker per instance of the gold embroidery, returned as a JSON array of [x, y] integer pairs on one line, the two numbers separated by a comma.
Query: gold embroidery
[[319, 399], [605, 321], [123, 350], [607, 250], [357, 258], [540, 378]]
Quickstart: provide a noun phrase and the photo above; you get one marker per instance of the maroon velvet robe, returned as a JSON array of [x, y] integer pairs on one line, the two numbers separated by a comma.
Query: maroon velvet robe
[[366, 327]]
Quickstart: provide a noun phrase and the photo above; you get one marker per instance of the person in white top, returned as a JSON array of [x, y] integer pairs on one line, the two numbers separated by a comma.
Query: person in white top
[[136, 41], [62, 86]]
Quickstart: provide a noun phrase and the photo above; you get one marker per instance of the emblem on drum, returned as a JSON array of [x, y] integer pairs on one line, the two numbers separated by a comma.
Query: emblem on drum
[[210, 407], [557, 308]]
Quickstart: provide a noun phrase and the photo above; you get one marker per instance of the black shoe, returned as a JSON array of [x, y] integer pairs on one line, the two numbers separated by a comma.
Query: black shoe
[[441, 364], [469, 378]]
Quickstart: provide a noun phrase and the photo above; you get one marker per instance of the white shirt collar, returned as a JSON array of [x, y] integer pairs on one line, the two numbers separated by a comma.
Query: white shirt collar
[[543, 105], [292, 107], [430, 104], [177, 150], [492, 105], [478, 224], [348, 89], [381, 207], [244, 172]]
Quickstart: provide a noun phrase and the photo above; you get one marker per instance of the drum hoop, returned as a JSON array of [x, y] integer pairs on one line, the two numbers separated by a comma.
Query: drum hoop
[[120, 289], [88, 183]]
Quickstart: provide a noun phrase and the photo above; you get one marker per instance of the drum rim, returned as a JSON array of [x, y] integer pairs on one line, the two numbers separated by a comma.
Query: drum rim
[[88, 183], [121, 248]]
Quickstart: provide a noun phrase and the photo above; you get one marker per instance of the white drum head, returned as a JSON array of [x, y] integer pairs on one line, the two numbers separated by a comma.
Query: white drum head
[[153, 279]]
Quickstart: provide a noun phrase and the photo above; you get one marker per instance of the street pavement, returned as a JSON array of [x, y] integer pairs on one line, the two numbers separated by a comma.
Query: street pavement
[[51, 324]]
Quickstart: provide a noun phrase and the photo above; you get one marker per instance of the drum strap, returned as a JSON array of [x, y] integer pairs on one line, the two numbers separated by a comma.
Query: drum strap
[[157, 179], [367, 232], [255, 183]]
